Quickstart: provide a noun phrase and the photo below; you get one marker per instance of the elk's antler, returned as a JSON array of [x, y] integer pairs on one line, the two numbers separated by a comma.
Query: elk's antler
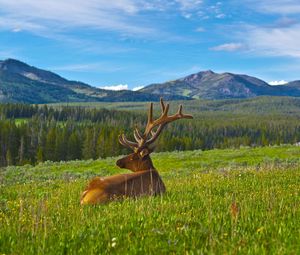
[[143, 140]]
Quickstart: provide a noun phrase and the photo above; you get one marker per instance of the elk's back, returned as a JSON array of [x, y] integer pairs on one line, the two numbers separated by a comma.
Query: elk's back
[[135, 184]]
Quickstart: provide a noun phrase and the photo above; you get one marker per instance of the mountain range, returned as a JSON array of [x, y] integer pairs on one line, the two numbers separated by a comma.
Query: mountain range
[[20, 82], [210, 85]]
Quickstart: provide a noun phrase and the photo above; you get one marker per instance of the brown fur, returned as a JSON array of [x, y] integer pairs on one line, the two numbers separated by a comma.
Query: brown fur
[[101, 190], [135, 162]]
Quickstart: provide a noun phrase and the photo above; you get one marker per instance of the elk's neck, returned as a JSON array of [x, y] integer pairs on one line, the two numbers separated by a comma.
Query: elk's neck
[[145, 164]]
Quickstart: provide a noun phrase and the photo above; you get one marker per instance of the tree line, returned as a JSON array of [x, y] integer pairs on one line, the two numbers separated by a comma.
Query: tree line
[[31, 134]]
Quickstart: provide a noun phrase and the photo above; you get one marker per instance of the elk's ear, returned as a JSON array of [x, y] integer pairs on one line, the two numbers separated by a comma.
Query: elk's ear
[[145, 152]]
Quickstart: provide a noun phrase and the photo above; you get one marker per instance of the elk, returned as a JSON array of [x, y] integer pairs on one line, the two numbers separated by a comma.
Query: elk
[[145, 179]]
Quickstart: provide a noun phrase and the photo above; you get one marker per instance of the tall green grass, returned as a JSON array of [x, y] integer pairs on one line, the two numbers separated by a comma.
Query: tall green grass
[[243, 201]]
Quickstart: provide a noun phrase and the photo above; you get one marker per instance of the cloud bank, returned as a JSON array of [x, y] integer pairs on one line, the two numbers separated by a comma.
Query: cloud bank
[[138, 88], [228, 47], [116, 87], [275, 83], [123, 16]]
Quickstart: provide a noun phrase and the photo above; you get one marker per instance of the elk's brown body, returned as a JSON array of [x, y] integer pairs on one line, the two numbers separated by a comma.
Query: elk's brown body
[[145, 180], [100, 190]]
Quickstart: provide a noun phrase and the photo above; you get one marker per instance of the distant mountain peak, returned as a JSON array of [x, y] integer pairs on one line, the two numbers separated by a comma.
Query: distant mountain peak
[[20, 82], [207, 71], [196, 76], [210, 85], [10, 63], [15, 66], [12, 60]]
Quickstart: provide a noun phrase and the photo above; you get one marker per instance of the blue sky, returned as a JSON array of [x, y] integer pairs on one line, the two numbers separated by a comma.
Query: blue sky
[[138, 42]]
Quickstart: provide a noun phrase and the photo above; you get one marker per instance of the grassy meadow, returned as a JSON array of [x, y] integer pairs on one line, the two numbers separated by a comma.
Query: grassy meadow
[[244, 201]]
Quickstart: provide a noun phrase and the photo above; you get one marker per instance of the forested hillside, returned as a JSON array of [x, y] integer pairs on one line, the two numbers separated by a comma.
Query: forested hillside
[[32, 134], [265, 105], [22, 83]]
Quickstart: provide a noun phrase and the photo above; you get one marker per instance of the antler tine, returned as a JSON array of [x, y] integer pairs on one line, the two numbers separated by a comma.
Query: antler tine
[[185, 116], [150, 114], [166, 110], [155, 134], [164, 120], [159, 121], [123, 140], [129, 142], [180, 110], [137, 135], [162, 104]]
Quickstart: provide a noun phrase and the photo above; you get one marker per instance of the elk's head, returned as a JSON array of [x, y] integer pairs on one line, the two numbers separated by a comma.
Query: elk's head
[[140, 159]]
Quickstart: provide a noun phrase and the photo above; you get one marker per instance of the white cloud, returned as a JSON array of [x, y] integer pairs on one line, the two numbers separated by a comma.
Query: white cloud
[[228, 47], [282, 41], [13, 24], [275, 6], [278, 38], [285, 22], [17, 29], [88, 67], [189, 4], [220, 16], [121, 87], [275, 83], [138, 88], [116, 87], [57, 16], [200, 29], [60, 15]]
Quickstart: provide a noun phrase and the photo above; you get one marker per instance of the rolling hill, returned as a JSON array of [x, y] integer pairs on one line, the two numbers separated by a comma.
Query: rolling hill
[[294, 84], [210, 85], [20, 82]]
